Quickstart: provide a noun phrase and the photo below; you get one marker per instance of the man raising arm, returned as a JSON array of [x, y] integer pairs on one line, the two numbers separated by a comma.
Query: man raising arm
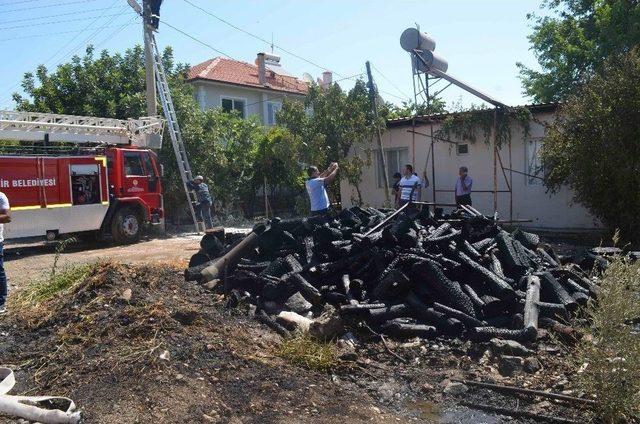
[[5, 218], [316, 187]]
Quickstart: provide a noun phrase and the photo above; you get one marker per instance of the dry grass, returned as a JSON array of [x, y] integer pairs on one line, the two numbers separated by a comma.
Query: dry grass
[[309, 352], [609, 356], [56, 284]]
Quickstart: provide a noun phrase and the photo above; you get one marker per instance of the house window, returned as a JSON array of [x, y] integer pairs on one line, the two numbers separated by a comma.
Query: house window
[[396, 160], [534, 169], [272, 109], [229, 104], [462, 149]]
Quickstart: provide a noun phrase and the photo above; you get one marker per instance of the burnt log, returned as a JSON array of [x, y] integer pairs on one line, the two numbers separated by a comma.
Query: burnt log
[[552, 310], [271, 323], [394, 280], [377, 316], [307, 290], [531, 302], [432, 275], [483, 245], [580, 298], [509, 255], [477, 301], [553, 290], [467, 320], [495, 284], [529, 240], [484, 334], [231, 258], [199, 258], [448, 326], [403, 330], [213, 242]]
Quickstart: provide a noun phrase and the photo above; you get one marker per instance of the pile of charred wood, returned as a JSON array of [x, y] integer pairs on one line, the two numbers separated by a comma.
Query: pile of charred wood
[[405, 274]]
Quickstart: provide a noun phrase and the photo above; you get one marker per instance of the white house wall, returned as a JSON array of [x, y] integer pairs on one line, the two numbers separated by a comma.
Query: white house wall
[[210, 94], [547, 211]]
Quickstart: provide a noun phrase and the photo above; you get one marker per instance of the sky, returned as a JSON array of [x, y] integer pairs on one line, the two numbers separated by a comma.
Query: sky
[[481, 40]]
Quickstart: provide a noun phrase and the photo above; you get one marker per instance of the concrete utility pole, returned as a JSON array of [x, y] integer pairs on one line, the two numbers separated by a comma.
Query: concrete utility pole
[[152, 109], [383, 159]]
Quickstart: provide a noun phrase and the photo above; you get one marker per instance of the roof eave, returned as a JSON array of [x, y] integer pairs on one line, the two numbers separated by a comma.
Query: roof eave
[[256, 87]]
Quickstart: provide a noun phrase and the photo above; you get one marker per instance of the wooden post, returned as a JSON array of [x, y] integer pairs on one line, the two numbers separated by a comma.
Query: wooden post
[[383, 160], [266, 204], [510, 183], [495, 159]]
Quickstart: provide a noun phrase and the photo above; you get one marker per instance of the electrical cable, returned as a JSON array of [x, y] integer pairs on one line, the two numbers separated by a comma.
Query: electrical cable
[[56, 22], [257, 37], [196, 39], [407, 97], [75, 12], [46, 6], [75, 49], [46, 35]]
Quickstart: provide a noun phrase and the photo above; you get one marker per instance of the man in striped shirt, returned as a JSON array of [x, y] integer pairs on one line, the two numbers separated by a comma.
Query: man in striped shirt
[[410, 186]]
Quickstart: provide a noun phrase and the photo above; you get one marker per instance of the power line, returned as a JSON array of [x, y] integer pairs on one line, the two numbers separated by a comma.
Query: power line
[[75, 12], [196, 39], [20, 2], [390, 82], [46, 35], [77, 47], [257, 37], [56, 22], [46, 6], [83, 30]]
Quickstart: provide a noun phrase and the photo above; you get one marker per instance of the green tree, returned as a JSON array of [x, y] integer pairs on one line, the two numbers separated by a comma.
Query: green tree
[[409, 109], [333, 126], [572, 43], [220, 146], [594, 145]]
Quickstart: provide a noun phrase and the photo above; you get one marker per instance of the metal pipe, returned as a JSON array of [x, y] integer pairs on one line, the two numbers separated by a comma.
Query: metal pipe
[[231, 258], [387, 219], [526, 391]]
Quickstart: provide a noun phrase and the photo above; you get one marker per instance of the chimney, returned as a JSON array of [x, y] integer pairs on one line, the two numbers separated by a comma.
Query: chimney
[[327, 78], [262, 77]]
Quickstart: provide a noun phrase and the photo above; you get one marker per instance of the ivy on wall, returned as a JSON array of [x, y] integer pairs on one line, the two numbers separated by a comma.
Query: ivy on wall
[[476, 122]]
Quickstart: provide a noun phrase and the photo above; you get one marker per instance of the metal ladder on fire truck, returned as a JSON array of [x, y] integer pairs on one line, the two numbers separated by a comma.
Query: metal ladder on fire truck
[[164, 93]]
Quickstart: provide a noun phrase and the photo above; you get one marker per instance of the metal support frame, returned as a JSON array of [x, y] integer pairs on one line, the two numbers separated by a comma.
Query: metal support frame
[[421, 89]]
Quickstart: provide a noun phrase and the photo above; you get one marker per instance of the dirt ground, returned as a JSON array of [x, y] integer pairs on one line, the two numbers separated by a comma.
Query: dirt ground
[[28, 261], [105, 353]]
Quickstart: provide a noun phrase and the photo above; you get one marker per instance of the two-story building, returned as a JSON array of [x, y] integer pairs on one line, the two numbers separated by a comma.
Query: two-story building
[[251, 89]]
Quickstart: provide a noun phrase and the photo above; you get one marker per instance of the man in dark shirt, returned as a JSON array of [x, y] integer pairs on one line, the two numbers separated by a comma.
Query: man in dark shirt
[[396, 188], [203, 207]]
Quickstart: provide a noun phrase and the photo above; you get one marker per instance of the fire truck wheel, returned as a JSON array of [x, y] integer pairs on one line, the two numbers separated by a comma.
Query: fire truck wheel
[[126, 226]]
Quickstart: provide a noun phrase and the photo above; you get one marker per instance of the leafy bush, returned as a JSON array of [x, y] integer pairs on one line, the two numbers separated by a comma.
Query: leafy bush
[[594, 146], [609, 357]]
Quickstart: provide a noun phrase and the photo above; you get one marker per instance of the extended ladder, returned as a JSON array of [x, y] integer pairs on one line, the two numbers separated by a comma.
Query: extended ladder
[[164, 93]]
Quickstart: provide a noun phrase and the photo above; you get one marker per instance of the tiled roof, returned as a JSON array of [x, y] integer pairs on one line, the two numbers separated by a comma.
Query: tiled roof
[[244, 74]]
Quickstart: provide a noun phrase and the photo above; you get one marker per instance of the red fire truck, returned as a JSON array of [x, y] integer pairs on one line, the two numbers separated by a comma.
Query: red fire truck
[[82, 175]]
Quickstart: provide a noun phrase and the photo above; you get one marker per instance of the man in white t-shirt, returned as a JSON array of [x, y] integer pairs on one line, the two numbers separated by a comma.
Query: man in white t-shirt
[[4, 218], [410, 186], [316, 187]]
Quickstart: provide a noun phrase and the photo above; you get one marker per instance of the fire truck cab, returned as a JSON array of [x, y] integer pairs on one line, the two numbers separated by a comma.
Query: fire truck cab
[[104, 180]]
